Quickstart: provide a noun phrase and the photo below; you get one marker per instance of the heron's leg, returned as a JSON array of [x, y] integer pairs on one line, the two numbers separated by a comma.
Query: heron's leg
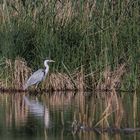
[[37, 86]]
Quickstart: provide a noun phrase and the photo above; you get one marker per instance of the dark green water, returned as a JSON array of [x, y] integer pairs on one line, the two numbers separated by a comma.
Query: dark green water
[[49, 117]]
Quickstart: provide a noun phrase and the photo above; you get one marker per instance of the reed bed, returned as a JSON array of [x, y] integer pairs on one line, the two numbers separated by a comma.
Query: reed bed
[[112, 79], [97, 41], [17, 72], [87, 34], [59, 82]]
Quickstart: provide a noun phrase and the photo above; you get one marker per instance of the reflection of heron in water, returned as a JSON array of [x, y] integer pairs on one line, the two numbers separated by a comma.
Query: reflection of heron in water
[[38, 76], [38, 110]]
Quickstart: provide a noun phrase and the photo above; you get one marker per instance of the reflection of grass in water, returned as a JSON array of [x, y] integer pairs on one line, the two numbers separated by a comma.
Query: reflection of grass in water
[[131, 102], [108, 110], [15, 110], [113, 111]]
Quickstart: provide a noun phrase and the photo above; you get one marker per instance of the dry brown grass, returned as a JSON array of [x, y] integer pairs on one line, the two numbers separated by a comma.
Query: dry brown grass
[[21, 73], [112, 79], [67, 10], [79, 78], [64, 11], [18, 71], [62, 81], [58, 81]]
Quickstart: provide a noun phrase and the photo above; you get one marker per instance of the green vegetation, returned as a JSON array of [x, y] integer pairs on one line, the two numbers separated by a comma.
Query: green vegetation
[[87, 33]]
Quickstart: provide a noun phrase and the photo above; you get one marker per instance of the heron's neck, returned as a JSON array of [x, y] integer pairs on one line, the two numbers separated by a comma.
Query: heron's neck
[[46, 69]]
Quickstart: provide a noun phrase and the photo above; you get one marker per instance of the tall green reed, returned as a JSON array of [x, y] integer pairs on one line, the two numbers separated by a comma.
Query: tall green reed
[[89, 33]]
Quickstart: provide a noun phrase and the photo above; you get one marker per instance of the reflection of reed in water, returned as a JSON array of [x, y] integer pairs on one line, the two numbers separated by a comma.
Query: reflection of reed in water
[[109, 112], [15, 110], [18, 108], [59, 99], [59, 104], [112, 111], [86, 110], [104, 111], [89, 111]]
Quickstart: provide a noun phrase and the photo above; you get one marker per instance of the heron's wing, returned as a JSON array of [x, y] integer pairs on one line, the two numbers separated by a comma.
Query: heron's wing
[[36, 77]]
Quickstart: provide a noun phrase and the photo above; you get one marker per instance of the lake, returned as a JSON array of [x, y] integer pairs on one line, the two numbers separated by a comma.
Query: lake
[[69, 115]]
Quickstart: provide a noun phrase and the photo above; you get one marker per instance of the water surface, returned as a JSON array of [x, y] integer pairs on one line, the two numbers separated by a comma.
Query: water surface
[[50, 116]]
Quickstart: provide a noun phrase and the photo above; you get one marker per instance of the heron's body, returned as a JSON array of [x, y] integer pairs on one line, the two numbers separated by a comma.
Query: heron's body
[[38, 76], [33, 78]]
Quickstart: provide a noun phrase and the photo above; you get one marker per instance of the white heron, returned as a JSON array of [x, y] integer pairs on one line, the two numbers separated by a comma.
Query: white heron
[[38, 76]]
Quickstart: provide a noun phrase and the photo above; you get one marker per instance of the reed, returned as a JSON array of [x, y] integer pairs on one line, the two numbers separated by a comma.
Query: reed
[[59, 81], [90, 34], [15, 73], [112, 79]]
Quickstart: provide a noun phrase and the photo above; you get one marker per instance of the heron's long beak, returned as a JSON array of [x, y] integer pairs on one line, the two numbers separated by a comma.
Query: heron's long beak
[[51, 61]]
